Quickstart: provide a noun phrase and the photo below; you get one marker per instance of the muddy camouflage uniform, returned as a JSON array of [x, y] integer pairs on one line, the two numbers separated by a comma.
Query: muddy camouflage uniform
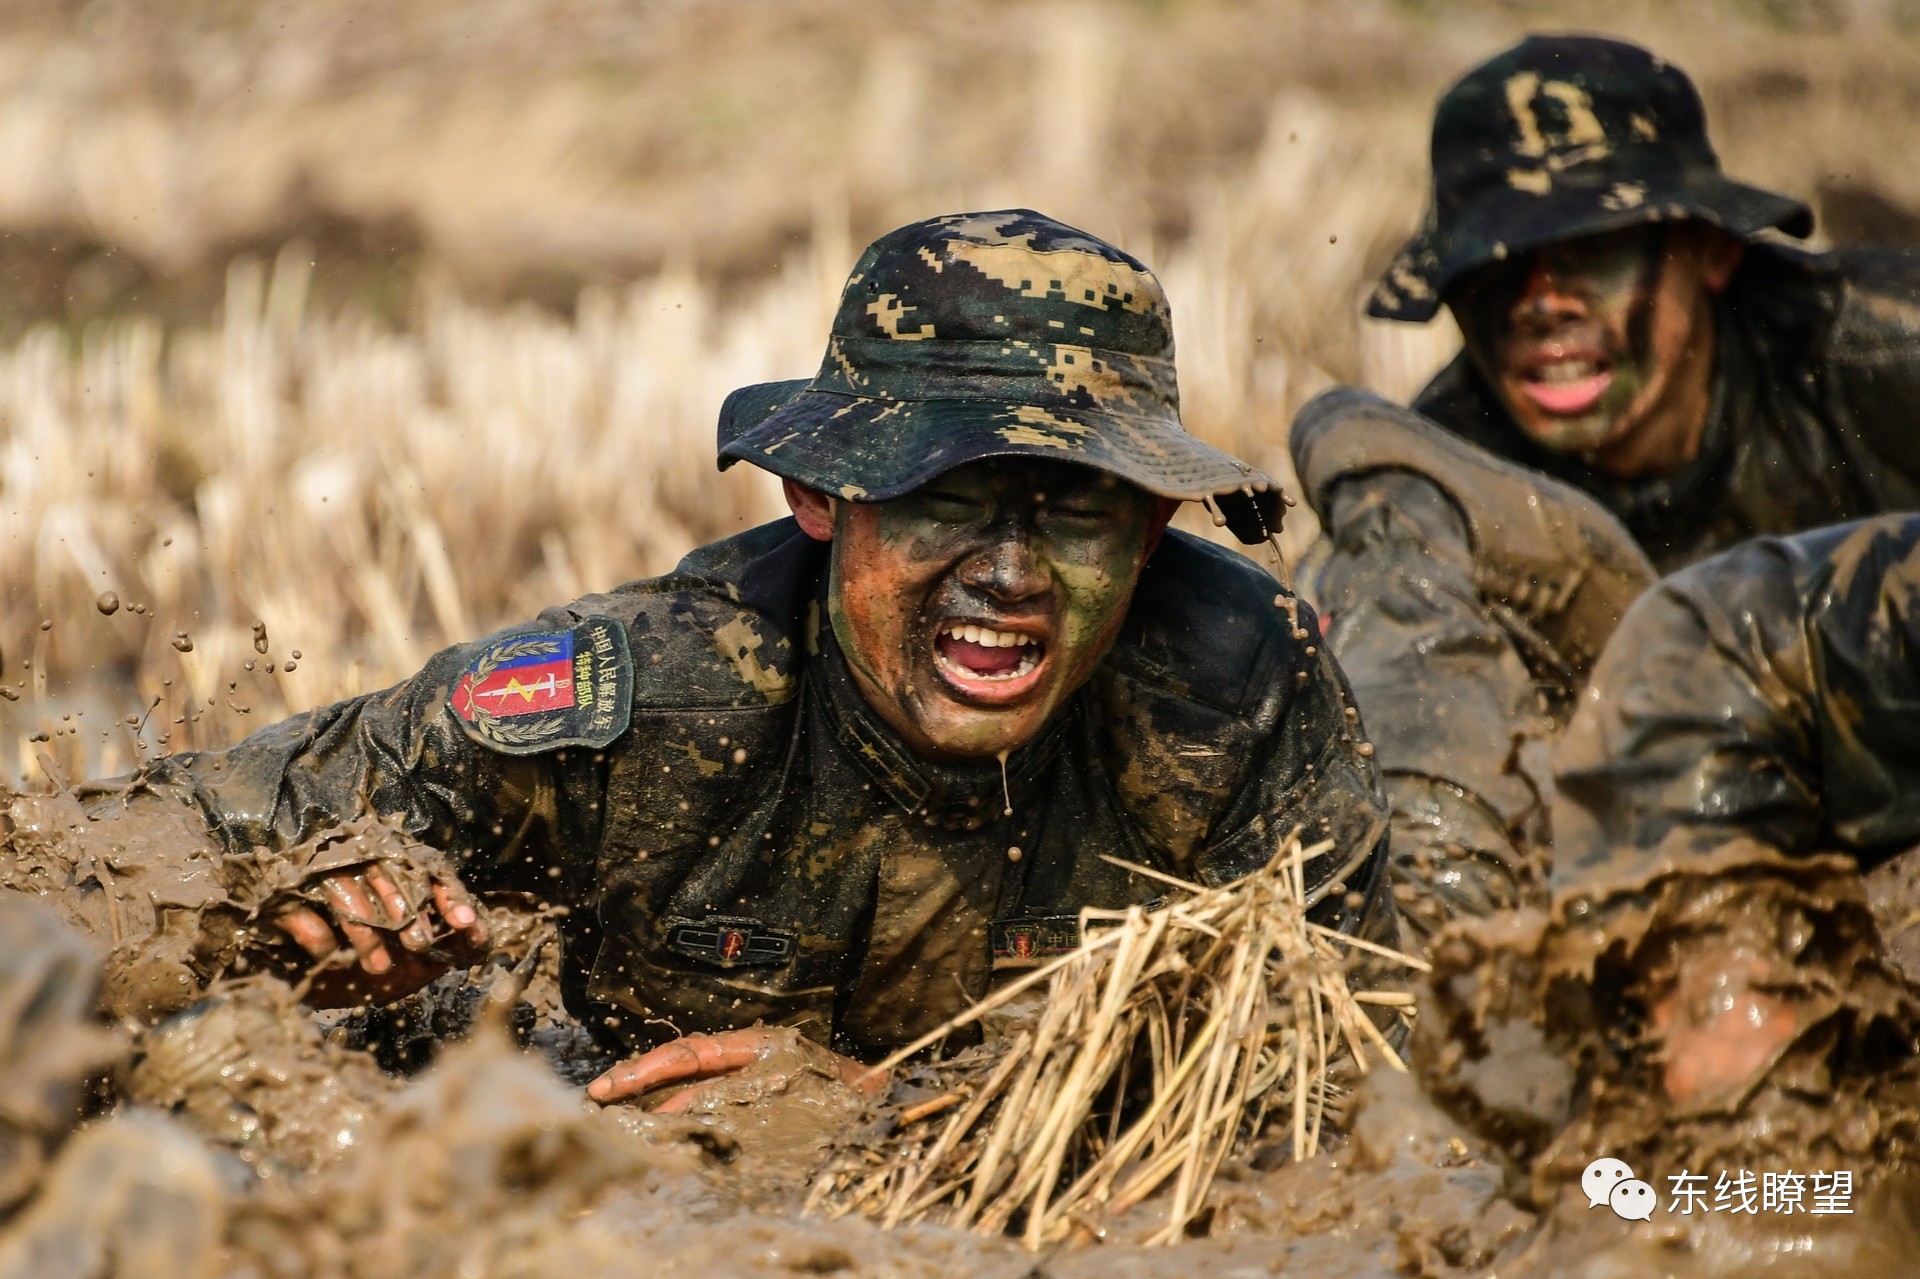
[[1771, 692], [1816, 385], [739, 836]]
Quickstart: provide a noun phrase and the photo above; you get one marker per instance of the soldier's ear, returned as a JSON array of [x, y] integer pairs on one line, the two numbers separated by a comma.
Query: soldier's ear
[[1163, 509], [1720, 256], [812, 510]]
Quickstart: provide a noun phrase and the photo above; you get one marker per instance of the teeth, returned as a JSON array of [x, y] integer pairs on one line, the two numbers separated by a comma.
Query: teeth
[[986, 637], [1028, 660], [1566, 371]]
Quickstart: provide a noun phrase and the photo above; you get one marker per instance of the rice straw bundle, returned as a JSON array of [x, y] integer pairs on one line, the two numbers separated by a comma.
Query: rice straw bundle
[[1230, 1004]]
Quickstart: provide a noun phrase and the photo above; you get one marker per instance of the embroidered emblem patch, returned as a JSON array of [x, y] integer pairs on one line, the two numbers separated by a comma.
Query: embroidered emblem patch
[[729, 941], [1026, 941], [540, 690]]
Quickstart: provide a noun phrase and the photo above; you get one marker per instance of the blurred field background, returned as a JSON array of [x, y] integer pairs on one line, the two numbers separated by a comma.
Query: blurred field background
[[385, 324]]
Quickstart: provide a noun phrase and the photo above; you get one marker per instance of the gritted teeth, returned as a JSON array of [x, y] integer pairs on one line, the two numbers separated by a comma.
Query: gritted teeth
[[986, 637]]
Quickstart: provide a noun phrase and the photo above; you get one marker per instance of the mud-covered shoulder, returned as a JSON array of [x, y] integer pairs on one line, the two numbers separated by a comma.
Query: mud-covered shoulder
[[1229, 723], [1210, 625], [1875, 307], [727, 628]]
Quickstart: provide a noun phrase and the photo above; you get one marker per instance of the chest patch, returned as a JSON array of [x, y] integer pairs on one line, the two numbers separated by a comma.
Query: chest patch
[[540, 690], [1025, 942], [729, 941]]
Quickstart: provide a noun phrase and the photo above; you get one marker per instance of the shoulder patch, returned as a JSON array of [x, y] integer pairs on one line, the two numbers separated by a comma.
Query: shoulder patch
[[540, 690]]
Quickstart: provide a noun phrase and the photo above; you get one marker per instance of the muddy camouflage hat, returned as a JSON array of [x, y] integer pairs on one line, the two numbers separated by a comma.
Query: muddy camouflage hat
[[1562, 136], [983, 335]]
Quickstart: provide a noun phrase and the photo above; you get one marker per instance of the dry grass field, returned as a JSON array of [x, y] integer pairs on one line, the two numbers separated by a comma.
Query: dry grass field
[[381, 325]]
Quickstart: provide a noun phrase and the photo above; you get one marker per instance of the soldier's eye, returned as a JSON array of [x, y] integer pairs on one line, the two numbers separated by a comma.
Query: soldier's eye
[[952, 508], [1077, 518]]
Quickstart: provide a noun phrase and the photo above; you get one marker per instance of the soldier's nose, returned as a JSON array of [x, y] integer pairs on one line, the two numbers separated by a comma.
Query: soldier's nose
[[1007, 571], [1547, 300]]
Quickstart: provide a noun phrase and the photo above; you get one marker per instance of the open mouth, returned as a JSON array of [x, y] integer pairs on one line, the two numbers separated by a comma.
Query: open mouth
[[1569, 385], [982, 660]]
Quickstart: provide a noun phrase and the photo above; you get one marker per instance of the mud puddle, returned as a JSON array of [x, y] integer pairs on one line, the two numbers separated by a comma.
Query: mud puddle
[[230, 1130]]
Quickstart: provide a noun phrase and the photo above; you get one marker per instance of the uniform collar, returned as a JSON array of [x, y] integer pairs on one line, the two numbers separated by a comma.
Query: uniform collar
[[963, 794]]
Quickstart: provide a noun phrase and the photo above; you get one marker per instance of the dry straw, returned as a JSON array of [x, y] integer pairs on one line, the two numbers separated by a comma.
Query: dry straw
[[1168, 1041]]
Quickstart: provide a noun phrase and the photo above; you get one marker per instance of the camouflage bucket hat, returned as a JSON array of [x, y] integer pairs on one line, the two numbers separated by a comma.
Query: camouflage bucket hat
[[1563, 136], [982, 335]]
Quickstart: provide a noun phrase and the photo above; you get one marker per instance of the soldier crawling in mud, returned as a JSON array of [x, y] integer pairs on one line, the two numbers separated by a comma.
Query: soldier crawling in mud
[[1649, 375], [833, 772], [1725, 976], [1763, 702]]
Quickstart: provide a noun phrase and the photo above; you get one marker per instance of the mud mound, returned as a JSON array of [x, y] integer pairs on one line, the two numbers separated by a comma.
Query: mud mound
[[1542, 1033], [252, 1072]]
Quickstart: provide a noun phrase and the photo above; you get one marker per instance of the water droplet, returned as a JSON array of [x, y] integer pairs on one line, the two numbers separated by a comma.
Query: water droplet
[[46, 623], [183, 642], [108, 603], [290, 667], [260, 639], [1014, 854], [296, 654]]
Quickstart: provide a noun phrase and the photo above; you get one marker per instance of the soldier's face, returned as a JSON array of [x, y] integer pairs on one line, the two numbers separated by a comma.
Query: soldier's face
[[971, 608], [1595, 341]]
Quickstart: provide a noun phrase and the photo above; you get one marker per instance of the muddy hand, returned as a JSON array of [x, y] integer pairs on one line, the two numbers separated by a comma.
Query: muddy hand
[[705, 1057], [387, 938], [1720, 1031]]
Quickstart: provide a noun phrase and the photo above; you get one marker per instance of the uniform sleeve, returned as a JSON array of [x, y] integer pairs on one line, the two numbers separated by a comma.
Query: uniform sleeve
[[1769, 693], [399, 754], [1442, 687]]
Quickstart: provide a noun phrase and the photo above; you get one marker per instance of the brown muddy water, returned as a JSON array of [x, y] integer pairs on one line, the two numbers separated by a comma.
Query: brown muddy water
[[169, 1109]]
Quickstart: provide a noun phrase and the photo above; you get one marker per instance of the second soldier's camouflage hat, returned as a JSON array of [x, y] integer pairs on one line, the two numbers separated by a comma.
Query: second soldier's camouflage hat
[[1562, 136], [982, 335]]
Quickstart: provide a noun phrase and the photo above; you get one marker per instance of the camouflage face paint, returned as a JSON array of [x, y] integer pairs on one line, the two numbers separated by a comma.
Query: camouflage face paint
[[973, 607], [1597, 344]]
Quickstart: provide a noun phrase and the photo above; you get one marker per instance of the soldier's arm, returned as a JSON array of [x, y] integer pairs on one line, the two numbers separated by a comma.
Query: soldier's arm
[[399, 756], [1768, 693], [1446, 697], [1750, 711], [1457, 584]]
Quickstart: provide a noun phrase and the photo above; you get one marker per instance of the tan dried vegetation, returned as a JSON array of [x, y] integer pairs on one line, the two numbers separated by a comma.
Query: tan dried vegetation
[[343, 330], [1165, 1044]]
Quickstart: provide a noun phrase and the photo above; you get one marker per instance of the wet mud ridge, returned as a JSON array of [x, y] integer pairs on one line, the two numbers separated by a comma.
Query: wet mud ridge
[[166, 1097]]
